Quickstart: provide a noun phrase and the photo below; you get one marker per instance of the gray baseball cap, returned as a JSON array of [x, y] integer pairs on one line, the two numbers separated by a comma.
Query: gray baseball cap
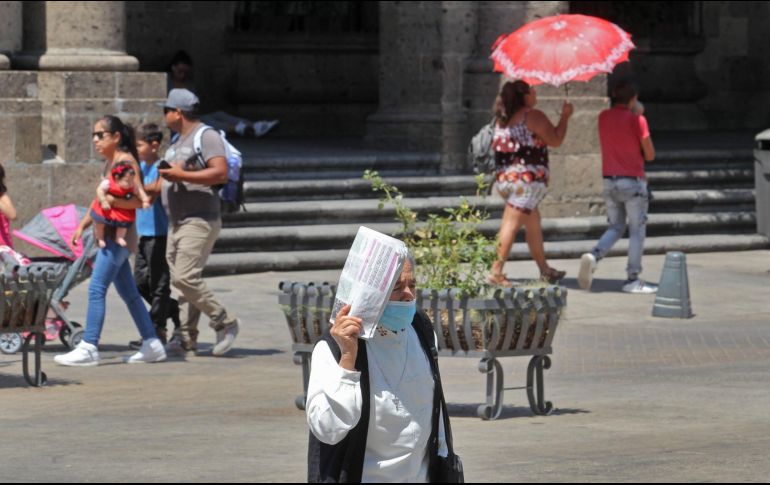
[[181, 99]]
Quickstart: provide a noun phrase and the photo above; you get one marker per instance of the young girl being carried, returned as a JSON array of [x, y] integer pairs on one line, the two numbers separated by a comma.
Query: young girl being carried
[[122, 183]]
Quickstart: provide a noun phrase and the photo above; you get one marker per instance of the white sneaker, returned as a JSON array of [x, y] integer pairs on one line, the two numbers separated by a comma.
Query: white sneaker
[[225, 339], [262, 127], [84, 355], [586, 273], [152, 351], [639, 287]]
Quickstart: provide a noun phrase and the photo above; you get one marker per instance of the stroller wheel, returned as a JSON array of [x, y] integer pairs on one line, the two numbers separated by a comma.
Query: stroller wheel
[[64, 335], [10, 343], [75, 338]]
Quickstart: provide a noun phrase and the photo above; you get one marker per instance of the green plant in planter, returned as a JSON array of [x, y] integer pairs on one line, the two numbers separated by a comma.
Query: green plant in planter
[[449, 250]]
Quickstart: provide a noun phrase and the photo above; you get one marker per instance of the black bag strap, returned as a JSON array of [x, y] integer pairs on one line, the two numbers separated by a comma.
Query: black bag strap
[[425, 331], [439, 400]]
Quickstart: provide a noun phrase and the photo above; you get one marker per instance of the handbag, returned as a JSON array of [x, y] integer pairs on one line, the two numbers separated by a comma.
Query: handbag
[[447, 469]]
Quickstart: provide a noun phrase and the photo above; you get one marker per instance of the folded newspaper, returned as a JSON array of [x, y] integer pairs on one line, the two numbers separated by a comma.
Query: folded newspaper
[[373, 266]]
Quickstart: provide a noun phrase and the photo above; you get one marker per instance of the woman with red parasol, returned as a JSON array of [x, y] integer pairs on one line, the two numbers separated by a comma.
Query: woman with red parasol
[[521, 140]]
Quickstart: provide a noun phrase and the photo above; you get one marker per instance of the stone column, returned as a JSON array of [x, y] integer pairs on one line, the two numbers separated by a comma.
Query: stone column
[[10, 31], [424, 47], [409, 116], [459, 34], [75, 36], [19, 108], [20, 118]]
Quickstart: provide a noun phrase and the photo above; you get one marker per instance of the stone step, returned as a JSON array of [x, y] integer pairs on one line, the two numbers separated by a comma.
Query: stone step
[[340, 236], [434, 185], [255, 262], [336, 166], [341, 163], [357, 188], [706, 159], [368, 210], [724, 178], [707, 200], [331, 159], [306, 200]]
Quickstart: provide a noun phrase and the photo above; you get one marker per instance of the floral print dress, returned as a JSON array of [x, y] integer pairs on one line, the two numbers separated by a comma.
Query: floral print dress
[[522, 166]]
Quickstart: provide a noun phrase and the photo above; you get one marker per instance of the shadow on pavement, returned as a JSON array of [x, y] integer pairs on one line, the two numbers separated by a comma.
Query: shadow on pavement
[[599, 285], [239, 353], [62, 349], [17, 381], [508, 412]]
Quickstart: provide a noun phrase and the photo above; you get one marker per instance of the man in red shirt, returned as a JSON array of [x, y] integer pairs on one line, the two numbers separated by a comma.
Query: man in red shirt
[[626, 145]]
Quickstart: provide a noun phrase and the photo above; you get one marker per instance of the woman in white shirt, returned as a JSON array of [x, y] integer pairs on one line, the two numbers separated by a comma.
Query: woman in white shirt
[[371, 406]]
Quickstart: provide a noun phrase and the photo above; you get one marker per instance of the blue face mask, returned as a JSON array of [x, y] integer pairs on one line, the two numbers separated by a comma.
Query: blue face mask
[[398, 315]]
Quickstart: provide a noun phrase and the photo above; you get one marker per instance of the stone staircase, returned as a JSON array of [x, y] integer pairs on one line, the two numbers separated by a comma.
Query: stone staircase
[[306, 202]]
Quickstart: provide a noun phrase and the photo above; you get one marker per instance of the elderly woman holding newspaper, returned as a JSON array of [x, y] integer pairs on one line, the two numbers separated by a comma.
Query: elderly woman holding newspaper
[[375, 407]]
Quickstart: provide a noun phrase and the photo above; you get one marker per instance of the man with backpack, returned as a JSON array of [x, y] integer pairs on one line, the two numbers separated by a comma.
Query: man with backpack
[[196, 167]]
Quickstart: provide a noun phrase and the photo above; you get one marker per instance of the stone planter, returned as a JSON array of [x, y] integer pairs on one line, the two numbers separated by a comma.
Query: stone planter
[[515, 322]]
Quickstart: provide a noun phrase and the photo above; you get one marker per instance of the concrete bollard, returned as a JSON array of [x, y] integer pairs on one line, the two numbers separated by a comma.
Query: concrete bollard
[[673, 297]]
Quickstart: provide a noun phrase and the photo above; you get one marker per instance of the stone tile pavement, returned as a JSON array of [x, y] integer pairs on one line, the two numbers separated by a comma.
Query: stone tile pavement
[[637, 398]]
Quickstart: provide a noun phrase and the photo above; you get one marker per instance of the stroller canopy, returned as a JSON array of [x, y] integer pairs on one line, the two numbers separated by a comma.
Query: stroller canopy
[[52, 229]]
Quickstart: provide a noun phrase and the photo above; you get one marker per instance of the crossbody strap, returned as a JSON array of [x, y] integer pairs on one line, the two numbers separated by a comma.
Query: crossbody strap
[[439, 395], [425, 332]]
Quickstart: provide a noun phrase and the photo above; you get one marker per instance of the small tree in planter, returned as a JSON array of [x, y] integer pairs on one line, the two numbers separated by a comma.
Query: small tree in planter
[[448, 249], [472, 318]]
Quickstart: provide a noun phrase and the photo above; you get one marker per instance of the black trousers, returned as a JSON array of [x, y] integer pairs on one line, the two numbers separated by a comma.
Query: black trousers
[[154, 281]]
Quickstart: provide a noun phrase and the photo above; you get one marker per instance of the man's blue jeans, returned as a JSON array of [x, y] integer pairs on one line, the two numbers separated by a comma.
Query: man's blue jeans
[[627, 199], [112, 266]]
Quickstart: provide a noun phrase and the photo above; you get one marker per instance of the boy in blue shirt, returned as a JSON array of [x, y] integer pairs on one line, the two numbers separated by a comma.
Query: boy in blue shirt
[[151, 268]]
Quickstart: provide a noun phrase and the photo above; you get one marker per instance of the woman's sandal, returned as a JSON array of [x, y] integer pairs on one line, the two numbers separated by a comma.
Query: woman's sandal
[[552, 275], [499, 279]]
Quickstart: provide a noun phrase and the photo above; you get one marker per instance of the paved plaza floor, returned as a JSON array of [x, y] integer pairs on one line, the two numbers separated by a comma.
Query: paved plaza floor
[[637, 398]]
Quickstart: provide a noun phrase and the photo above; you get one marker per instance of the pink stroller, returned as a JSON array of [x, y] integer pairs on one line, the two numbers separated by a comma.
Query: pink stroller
[[51, 230]]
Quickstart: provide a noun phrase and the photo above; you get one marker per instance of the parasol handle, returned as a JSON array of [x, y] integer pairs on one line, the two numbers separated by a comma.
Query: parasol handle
[[566, 88]]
